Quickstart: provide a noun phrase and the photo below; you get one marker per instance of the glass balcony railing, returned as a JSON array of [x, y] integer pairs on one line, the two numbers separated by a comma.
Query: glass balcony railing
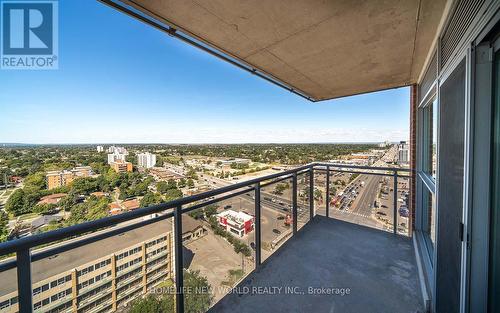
[[215, 238]]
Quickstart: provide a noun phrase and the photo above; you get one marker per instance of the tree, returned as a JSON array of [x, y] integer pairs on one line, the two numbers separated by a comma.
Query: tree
[[333, 190], [279, 188], [152, 304], [210, 210], [190, 183], [68, 202], [159, 161], [198, 300], [35, 181], [92, 209], [173, 194], [4, 230], [317, 194], [197, 214], [151, 199], [44, 208], [181, 183], [16, 203], [84, 185], [171, 184]]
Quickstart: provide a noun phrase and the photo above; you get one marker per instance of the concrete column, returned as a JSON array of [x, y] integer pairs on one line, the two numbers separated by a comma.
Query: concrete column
[[144, 279], [74, 291], [113, 280], [413, 155]]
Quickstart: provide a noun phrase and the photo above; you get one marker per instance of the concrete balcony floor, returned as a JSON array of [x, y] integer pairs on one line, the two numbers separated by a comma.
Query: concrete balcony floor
[[379, 269]]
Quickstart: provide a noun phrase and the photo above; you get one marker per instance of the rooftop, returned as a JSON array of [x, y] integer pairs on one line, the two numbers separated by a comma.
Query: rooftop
[[73, 258], [189, 224], [377, 267]]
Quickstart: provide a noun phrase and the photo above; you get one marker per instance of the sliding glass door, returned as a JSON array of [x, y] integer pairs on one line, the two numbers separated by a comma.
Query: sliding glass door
[[494, 276]]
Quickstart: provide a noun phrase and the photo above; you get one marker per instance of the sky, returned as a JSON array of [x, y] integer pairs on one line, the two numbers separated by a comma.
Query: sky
[[121, 81]]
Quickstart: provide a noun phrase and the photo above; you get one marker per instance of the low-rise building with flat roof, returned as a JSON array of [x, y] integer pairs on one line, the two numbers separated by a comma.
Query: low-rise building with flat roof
[[100, 276]]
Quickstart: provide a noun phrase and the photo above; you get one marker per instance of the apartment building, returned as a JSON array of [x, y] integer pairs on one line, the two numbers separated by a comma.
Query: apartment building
[[100, 148], [403, 153], [118, 150], [65, 177], [99, 277], [114, 157], [146, 160], [121, 166]]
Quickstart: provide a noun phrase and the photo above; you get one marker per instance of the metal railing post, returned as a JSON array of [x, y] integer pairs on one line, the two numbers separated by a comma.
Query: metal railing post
[[24, 287], [311, 193], [395, 217], [258, 231], [179, 279], [294, 202], [327, 197]]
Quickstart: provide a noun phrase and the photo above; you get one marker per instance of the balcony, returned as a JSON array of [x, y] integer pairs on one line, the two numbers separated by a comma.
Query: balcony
[[377, 268], [327, 243]]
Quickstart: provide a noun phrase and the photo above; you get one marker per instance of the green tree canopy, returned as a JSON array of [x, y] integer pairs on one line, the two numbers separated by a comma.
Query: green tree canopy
[[151, 199]]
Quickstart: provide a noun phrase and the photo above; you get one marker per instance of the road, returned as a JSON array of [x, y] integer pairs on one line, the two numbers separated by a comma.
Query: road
[[271, 226], [364, 201]]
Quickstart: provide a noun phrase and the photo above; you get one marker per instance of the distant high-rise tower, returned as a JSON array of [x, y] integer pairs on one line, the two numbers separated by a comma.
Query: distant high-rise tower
[[403, 153], [146, 160], [118, 150], [113, 157], [100, 148]]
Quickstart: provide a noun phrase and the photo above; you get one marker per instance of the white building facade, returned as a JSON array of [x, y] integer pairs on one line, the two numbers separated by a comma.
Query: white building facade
[[146, 160]]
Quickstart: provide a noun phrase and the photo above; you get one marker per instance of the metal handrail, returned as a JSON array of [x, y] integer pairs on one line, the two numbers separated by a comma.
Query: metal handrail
[[22, 246]]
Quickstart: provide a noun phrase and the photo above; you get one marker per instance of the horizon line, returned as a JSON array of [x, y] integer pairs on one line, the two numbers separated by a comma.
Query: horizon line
[[192, 143]]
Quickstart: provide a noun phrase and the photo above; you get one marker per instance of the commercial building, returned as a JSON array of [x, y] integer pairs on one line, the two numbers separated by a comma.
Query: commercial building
[[192, 229], [146, 160], [121, 166], [237, 223], [162, 174], [65, 177], [102, 276]]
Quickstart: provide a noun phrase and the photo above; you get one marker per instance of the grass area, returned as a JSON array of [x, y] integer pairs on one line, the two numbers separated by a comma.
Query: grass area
[[28, 216], [233, 277]]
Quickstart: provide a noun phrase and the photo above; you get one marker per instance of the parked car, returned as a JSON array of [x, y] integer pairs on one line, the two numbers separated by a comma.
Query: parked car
[[404, 212]]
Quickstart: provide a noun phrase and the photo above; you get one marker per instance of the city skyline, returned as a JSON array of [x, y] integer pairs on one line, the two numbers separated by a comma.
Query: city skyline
[[140, 86]]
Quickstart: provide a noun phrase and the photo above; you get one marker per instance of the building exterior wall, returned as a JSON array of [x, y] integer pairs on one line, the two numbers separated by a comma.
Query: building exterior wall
[[146, 160], [104, 284], [122, 167], [57, 179], [413, 154]]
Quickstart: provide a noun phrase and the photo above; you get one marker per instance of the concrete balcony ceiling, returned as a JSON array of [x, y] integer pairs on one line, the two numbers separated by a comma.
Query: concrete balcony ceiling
[[324, 49]]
